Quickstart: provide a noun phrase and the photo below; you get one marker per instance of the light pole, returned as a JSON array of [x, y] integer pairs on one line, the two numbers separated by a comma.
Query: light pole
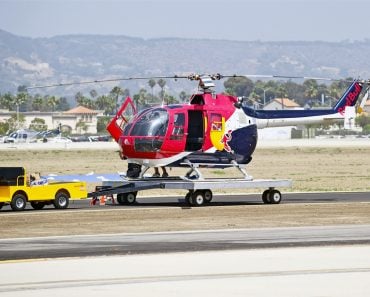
[[17, 110]]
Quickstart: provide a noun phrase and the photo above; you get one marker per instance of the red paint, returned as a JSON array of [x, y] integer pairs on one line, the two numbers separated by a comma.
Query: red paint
[[351, 98]]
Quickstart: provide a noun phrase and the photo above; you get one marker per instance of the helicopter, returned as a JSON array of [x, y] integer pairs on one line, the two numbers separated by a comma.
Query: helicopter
[[212, 130]]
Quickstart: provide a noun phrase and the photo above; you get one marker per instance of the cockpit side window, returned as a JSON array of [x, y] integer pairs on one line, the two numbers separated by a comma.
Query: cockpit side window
[[178, 127], [152, 123]]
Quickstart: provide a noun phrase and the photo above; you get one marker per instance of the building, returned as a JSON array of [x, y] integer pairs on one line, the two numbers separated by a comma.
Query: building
[[80, 114], [281, 103], [78, 120]]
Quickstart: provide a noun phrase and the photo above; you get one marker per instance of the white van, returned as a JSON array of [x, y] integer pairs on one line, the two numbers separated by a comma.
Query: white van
[[20, 136]]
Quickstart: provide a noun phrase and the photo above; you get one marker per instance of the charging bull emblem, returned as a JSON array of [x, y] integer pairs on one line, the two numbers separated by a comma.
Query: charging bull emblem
[[225, 140]]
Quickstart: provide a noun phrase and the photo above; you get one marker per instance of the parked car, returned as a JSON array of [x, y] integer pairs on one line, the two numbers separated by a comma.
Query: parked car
[[58, 139]]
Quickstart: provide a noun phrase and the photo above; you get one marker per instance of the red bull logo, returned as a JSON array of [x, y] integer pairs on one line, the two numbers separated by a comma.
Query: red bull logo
[[225, 140], [350, 98]]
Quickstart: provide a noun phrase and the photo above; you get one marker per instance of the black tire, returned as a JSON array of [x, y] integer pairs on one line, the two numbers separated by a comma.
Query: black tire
[[37, 205], [130, 198], [126, 198], [265, 197], [61, 200], [197, 198], [1, 205], [208, 196], [188, 198], [274, 197], [18, 202], [120, 199]]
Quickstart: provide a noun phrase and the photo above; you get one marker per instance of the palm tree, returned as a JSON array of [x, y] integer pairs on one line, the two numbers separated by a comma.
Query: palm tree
[[105, 103], [7, 101], [93, 93], [37, 103], [161, 82], [19, 100], [52, 102], [115, 93], [152, 84], [311, 89], [282, 94], [183, 96]]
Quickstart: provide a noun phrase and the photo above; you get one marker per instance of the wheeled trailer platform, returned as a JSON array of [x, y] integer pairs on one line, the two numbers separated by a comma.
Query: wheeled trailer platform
[[199, 191]]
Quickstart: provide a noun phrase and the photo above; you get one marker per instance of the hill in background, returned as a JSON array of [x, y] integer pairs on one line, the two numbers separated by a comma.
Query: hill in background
[[39, 61]]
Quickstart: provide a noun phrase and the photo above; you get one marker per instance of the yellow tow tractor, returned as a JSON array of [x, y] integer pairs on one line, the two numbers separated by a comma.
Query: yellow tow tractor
[[17, 188]]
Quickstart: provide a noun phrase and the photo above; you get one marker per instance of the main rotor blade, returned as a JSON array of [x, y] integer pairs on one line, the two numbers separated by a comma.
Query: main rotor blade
[[103, 81], [286, 77], [190, 77]]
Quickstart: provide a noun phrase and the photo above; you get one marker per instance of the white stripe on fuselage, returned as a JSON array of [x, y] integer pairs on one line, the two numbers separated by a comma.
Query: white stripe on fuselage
[[159, 162], [280, 122]]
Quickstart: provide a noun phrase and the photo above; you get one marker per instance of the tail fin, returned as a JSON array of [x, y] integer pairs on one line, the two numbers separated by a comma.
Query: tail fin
[[349, 97]]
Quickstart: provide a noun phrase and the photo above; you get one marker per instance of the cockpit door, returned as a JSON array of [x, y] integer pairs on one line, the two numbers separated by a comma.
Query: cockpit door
[[176, 134], [195, 137], [117, 125]]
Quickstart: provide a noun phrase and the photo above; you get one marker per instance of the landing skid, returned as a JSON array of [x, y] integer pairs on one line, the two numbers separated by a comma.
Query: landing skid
[[195, 174]]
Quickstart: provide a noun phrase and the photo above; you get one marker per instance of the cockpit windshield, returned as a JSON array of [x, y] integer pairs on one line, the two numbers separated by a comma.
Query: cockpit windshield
[[154, 122]]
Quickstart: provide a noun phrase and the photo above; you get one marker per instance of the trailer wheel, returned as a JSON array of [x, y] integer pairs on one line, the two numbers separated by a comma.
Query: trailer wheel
[[208, 196], [18, 202], [37, 205], [130, 198], [120, 199], [197, 198], [188, 198], [265, 197], [61, 200], [274, 197]]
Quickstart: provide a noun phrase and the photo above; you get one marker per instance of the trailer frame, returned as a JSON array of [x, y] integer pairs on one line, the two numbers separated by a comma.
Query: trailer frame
[[199, 190]]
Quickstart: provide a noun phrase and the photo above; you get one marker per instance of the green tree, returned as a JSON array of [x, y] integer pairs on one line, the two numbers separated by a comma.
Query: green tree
[[295, 91], [52, 102], [115, 93], [161, 83], [152, 84], [63, 104], [37, 103], [106, 103], [93, 93], [7, 101], [363, 121], [170, 99], [239, 86], [101, 126], [4, 128], [183, 96], [311, 88], [81, 126], [79, 97], [141, 98], [16, 122], [38, 124]]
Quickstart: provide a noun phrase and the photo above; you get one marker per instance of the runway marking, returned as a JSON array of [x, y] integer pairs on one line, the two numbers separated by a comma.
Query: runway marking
[[73, 283], [138, 208]]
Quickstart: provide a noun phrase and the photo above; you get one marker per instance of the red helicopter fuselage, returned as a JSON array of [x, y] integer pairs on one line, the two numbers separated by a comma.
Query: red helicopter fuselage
[[165, 135]]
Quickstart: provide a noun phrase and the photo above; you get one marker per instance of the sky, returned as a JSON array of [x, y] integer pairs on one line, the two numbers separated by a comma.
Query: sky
[[242, 20]]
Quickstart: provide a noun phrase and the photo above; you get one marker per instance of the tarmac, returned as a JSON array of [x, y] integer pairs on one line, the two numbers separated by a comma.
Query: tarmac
[[300, 271]]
